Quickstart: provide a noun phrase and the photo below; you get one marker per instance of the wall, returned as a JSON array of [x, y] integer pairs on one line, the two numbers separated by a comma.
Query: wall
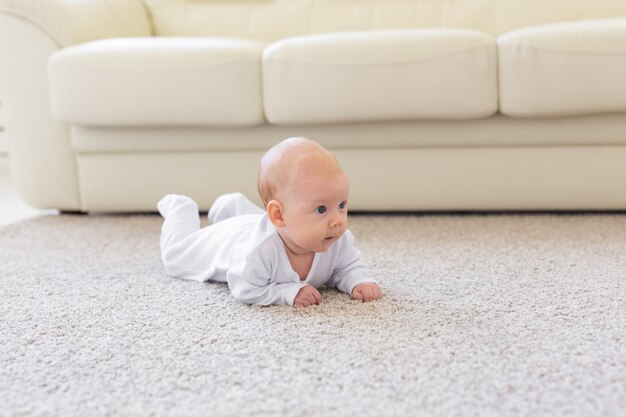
[[3, 142]]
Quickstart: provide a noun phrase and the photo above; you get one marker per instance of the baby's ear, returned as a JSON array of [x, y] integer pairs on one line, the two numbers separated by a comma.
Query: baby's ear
[[275, 213]]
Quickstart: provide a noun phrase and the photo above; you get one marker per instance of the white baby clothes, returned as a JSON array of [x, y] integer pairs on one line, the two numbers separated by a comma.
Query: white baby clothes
[[243, 248]]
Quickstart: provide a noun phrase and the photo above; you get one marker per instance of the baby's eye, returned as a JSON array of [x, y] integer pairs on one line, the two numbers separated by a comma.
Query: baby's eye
[[321, 209], [342, 205]]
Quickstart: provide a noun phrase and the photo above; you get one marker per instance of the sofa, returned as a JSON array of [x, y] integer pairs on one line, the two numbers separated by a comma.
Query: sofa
[[429, 105]]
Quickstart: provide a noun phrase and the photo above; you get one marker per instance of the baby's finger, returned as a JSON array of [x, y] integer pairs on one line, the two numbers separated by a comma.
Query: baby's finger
[[303, 303], [310, 297], [374, 295], [317, 296]]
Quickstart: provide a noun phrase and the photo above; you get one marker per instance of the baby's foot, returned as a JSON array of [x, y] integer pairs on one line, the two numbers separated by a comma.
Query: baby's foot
[[170, 201]]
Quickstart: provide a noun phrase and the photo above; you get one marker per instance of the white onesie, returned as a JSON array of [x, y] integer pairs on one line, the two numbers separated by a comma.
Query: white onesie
[[243, 248]]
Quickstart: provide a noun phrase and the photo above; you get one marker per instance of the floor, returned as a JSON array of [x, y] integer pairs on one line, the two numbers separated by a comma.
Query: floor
[[12, 208]]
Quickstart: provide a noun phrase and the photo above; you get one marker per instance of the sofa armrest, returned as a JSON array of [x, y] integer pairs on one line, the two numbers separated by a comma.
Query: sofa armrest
[[44, 168], [69, 22]]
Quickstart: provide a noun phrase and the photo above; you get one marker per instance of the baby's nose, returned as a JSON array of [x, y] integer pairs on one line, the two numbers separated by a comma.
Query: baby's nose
[[335, 222]]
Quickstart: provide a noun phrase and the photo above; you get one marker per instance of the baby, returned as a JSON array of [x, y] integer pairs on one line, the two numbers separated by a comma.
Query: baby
[[279, 255]]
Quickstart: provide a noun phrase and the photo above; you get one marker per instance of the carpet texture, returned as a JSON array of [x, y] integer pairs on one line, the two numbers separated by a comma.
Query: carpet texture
[[499, 315]]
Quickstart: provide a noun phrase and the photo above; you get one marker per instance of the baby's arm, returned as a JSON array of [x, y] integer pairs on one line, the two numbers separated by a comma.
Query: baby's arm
[[351, 275], [250, 283], [267, 294]]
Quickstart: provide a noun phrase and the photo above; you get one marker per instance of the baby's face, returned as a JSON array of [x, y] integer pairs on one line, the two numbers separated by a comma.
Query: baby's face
[[315, 213]]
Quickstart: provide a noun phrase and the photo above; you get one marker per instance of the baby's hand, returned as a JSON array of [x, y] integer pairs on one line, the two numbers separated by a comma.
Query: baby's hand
[[307, 296], [368, 291]]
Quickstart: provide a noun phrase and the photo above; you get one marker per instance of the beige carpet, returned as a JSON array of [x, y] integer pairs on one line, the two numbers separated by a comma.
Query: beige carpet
[[483, 315]]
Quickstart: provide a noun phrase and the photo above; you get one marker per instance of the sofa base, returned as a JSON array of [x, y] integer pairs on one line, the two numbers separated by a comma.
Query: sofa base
[[423, 179]]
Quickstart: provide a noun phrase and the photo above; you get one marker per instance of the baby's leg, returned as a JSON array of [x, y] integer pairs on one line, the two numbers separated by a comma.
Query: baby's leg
[[183, 242], [181, 219], [231, 205]]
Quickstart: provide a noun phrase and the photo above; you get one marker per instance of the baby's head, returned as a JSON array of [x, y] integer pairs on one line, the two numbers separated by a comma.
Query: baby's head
[[305, 193]]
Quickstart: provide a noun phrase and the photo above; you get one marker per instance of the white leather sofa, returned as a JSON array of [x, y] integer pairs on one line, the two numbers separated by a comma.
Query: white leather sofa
[[428, 104]]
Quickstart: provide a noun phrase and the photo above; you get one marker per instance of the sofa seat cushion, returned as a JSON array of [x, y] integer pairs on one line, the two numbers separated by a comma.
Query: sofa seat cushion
[[380, 76], [158, 81], [564, 69]]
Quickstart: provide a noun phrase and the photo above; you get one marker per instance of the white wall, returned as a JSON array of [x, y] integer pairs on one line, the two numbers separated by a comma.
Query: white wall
[[3, 142]]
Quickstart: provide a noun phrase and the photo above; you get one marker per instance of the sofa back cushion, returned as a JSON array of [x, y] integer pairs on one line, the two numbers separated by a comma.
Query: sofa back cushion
[[270, 20], [380, 75]]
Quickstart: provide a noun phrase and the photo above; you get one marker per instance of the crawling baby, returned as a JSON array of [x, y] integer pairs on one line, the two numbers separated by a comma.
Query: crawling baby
[[279, 255]]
